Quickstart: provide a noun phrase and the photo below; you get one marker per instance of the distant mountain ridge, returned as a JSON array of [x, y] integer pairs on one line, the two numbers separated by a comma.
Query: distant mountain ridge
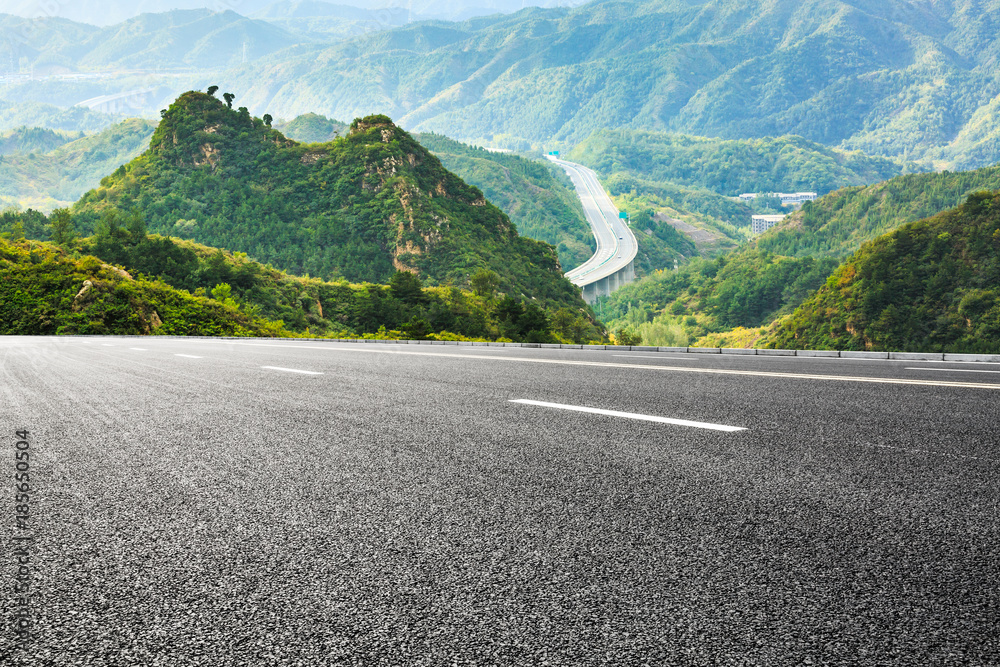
[[906, 79], [58, 177], [193, 38]]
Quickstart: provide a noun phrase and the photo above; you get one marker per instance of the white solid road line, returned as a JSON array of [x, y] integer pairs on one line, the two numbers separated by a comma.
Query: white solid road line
[[188, 356], [951, 370], [139, 349], [632, 415], [634, 367], [291, 370]]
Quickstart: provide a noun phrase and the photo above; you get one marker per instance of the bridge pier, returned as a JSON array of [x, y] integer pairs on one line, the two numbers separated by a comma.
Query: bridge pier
[[605, 286]]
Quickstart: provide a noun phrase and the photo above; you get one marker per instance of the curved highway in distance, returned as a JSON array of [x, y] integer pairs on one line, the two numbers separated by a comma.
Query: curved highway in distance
[[616, 244]]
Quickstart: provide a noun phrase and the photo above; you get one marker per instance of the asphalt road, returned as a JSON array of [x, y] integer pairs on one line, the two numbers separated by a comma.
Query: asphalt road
[[395, 507], [616, 244]]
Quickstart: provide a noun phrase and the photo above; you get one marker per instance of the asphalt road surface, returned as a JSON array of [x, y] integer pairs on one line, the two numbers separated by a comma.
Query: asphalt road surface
[[200, 502], [616, 244]]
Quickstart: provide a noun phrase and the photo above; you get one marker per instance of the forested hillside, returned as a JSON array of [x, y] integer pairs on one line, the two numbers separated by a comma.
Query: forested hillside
[[312, 128], [929, 286], [45, 290], [271, 300], [838, 224], [194, 38], [909, 80], [59, 177], [539, 200], [776, 272], [914, 81], [730, 167], [33, 140], [361, 207]]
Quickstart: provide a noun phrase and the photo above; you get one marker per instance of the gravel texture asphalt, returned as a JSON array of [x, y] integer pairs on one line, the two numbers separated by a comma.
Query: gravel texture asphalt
[[399, 509]]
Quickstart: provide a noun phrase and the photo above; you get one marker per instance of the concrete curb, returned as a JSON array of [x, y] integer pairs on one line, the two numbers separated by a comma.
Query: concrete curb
[[917, 356], [850, 354], [989, 358]]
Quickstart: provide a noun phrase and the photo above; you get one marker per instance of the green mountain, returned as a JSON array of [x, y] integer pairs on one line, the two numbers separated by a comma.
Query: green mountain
[[730, 166], [915, 81], [774, 274], [929, 286], [61, 176], [361, 207], [37, 114], [311, 128], [180, 39], [840, 223], [326, 22], [33, 139], [538, 198], [684, 187]]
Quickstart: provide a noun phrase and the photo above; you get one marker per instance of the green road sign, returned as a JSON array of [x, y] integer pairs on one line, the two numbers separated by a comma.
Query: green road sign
[[622, 215]]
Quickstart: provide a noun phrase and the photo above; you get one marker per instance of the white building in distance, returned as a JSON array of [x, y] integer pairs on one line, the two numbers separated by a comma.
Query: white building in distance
[[761, 223]]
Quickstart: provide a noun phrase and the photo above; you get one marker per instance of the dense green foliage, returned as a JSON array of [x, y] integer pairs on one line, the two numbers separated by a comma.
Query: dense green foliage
[[293, 305], [360, 207], [538, 198], [838, 224], [61, 176], [929, 286], [745, 289], [312, 128], [909, 80], [659, 243], [33, 140], [776, 272], [730, 167], [44, 291]]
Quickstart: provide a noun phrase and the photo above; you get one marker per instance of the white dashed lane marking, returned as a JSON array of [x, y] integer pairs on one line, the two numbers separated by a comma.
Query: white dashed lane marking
[[631, 415], [952, 370], [291, 370]]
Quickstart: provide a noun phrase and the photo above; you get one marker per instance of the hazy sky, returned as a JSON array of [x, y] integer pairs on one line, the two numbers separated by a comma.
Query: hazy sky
[[105, 12]]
